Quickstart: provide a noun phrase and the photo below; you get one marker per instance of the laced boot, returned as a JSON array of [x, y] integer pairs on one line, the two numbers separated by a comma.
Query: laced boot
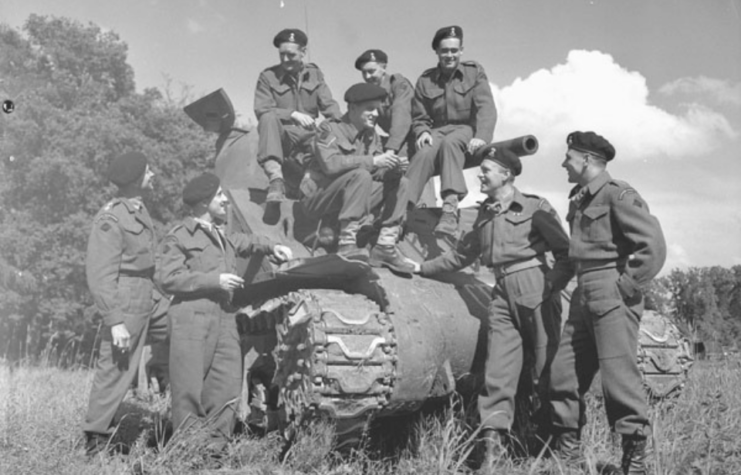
[[634, 455], [276, 191], [494, 449], [567, 445], [448, 223], [96, 444], [390, 257]]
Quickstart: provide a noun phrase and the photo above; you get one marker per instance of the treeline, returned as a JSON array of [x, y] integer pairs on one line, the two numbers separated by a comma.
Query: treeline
[[76, 108]]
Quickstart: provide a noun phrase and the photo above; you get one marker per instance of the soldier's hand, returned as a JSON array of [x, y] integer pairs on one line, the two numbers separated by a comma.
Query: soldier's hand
[[403, 164], [424, 139], [120, 336], [475, 144], [282, 253], [304, 120], [386, 160], [417, 266], [230, 281]]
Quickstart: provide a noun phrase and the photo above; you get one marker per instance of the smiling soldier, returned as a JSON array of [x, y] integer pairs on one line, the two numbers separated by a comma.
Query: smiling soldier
[[453, 113], [512, 234], [288, 100]]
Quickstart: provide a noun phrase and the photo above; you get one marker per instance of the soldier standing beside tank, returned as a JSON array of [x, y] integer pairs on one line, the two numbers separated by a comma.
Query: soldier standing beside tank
[[198, 267], [288, 99], [453, 113], [512, 234], [120, 266], [395, 115], [351, 175], [616, 247]]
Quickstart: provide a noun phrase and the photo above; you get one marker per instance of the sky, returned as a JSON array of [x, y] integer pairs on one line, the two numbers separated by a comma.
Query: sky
[[660, 79]]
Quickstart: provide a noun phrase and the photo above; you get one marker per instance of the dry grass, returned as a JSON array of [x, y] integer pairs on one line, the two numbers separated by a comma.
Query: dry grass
[[42, 408]]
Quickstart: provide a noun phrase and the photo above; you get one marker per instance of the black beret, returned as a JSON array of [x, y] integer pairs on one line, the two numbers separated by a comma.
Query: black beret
[[125, 169], [290, 35], [447, 32], [363, 91], [592, 143], [374, 55], [201, 188], [503, 156]]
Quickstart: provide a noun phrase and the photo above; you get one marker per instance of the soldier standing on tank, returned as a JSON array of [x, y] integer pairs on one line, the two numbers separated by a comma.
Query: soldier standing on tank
[[453, 113], [120, 266], [198, 267], [395, 115], [288, 100], [616, 247], [512, 234], [351, 175]]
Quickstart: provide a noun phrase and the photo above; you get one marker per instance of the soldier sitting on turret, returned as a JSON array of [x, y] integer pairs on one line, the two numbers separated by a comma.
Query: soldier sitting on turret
[[288, 99], [351, 175]]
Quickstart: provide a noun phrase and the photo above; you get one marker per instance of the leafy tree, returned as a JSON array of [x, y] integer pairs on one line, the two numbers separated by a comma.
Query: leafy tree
[[77, 108]]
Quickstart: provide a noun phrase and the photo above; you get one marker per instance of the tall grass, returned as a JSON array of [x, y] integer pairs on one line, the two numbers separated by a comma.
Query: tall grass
[[42, 409]]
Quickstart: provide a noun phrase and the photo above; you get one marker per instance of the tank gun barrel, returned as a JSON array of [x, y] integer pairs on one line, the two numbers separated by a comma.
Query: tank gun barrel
[[520, 146]]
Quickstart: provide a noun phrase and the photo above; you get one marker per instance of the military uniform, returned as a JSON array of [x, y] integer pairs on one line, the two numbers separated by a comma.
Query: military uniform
[[616, 247], [120, 265], [395, 116], [205, 355], [277, 96], [524, 323], [453, 111], [341, 177]]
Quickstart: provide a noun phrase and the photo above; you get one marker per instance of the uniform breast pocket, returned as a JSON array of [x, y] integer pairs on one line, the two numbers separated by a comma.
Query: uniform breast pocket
[[198, 258], [595, 224], [434, 100], [463, 100], [518, 228]]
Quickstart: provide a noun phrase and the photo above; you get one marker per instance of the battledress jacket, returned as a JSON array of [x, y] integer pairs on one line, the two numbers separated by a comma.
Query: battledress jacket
[[528, 228], [612, 222], [395, 116], [283, 93], [193, 258], [121, 245], [465, 98]]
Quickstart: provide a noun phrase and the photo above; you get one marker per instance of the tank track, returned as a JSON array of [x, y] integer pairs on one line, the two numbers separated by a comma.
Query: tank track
[[335, 358]]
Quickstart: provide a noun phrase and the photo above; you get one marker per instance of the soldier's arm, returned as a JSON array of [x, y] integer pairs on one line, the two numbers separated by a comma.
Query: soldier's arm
[[421, 120], [486, 111], [467, 250], [643, 231], [175, 277], [248, 244], [327, 105], [548, 224], [104, 251], [329, 156], [401, 113], [265, 102]]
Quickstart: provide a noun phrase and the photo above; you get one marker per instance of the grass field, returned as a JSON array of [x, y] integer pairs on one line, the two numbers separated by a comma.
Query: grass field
[[41, 410]]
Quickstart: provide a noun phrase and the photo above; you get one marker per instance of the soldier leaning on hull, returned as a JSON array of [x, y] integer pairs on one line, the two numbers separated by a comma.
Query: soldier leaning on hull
[[616, 247], [198, 268], [288, 99], [512, 234], [395, 114], [120, 266], [351, 175], [453, 113]]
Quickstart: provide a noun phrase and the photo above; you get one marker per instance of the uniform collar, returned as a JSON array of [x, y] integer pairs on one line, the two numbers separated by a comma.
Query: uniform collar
[[351, 133], [132, 204], [386, 81], [598, 182], [515, 202], [282, 75], [439, 72]]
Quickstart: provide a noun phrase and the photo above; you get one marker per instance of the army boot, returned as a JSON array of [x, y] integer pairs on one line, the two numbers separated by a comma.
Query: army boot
[[493, 441], [390, 257], [348, 245], [634, 455], [96, 444], [448, 223], [567, 445], [276, 191]]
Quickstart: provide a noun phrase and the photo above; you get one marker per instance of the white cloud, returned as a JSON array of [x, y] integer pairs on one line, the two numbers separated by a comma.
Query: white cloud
[[592, 92], [193, 26], [724, 92]]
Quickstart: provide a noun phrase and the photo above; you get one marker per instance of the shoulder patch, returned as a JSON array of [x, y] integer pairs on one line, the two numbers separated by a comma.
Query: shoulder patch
[[427, 72], [106, 217], [311, 65], [625, 192]]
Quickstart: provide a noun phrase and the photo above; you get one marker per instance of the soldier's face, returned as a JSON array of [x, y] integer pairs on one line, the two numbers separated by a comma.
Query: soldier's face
[[575, 164], [218, 206], [492, 176], [291, 57], [148, 179], [364, 114], [449, 53], [373, 72]]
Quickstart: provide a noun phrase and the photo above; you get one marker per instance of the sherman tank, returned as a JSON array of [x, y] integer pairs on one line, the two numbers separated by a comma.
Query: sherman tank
[[323, 336]]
